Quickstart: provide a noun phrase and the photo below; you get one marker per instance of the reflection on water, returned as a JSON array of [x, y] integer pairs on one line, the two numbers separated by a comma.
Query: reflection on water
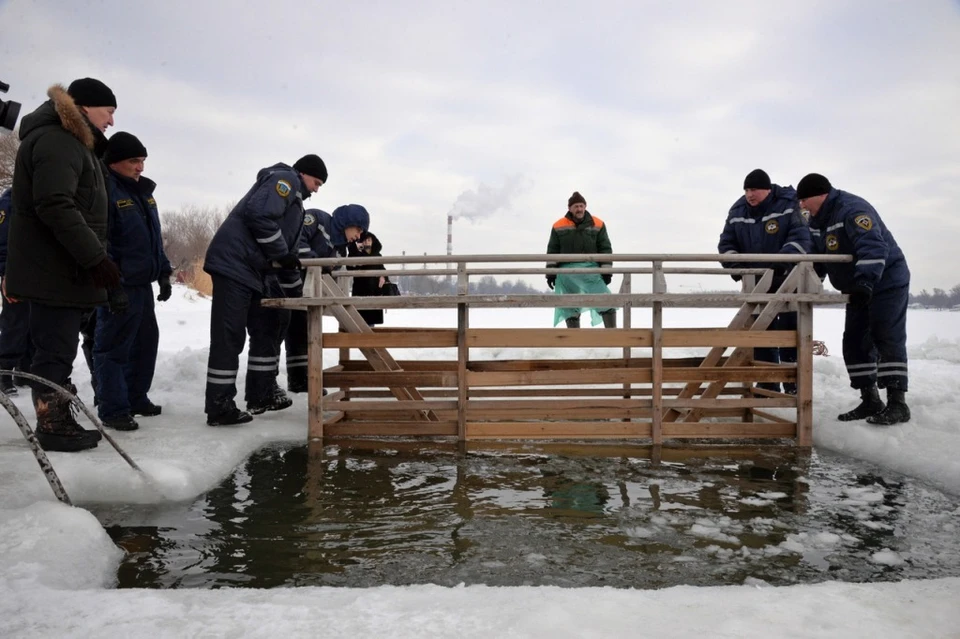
[[388, 513]]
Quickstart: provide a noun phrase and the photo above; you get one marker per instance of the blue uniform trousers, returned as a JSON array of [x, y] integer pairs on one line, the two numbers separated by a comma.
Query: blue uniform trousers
[[875, 341]]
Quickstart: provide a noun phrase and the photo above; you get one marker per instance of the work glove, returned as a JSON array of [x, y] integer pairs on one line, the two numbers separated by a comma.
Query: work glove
[[736, 278], [105, 274], [117, 301], [290, 261], [607, 277], [551, 281], [861, 295], [166, 289]]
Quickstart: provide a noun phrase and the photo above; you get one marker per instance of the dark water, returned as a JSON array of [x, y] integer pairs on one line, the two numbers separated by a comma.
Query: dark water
[[386, 513]]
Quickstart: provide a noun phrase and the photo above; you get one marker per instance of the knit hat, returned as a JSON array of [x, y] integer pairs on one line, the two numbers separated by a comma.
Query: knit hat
[[123, 146], [811, 185], [757, 179], [313, 166], [89, 92], [576, 198]]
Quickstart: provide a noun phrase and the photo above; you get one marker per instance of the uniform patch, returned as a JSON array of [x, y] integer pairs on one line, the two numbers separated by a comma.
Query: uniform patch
[[772, 227], [832, 243], [283, 188], [805, 214], [309, 220], [864, 222], [3, 216], [124, 204], [152, 202]]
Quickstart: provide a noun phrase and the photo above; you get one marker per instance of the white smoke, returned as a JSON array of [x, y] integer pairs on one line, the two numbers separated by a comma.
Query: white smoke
[[487, 200]]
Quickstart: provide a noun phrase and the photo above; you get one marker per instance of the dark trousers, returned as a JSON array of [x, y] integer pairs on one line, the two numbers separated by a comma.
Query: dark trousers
[[875, 341], [296, 345], [56, 334], [16, 348], [782, 322], [125, 354], [235, 312]]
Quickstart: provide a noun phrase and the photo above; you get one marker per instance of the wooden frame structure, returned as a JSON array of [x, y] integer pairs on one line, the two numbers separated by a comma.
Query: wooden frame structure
[[652, 396]]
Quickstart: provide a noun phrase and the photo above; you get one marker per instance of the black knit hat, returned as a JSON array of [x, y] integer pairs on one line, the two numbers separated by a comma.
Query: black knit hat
[[811, 185], [576, 198], [313, 166], [757, 179], [123, 146], [89, 92]]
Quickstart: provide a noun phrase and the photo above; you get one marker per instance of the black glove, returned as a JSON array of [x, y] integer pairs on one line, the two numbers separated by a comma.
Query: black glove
[[166, 289], [781, 269], [105, 274], [290, 262], [737, 278], [861, 295], [607, 277], [551, 281], [117, 301]]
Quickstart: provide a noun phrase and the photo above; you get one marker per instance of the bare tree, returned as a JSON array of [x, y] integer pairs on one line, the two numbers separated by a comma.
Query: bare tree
[[187, 233], [9, 143]]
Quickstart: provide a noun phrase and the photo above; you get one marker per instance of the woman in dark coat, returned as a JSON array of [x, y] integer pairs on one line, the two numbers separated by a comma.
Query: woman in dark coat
[[368, 244]]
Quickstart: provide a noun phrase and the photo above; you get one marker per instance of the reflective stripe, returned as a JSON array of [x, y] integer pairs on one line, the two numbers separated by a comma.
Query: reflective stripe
[[902, 373], [297, 358], [263, 359], [865, 262], [742, 220], [261, 368], [862, 373], [834, 227], [773, 215], [218, 380], [219, 371], [296, 365], [852, 367], [796, 246], [269, 239], [815, 232], [292, 284], [902, 365], [303, 250], [730, 251]]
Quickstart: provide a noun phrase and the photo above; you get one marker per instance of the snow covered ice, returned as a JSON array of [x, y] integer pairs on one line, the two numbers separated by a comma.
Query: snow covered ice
[[64, 585]]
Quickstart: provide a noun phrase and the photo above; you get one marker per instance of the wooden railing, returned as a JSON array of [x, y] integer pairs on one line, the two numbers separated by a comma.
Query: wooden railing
[[627, 397]]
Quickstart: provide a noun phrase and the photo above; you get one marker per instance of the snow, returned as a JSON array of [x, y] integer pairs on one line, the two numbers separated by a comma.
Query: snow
[[57, 564]]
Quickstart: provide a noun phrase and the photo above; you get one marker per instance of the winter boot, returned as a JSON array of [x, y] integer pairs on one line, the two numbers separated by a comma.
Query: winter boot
[[870, 404], [276, 399], [573, 322], [95, 433], [896, 412], [789, 388], [228, 415], [57, 430], [770, 386], [297, 379], [7, 387], [609, 318], [149, 409], [121, 422]]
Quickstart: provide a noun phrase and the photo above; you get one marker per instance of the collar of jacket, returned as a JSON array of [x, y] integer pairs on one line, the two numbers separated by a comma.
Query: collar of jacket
[[144, 186], [822, 219], [586, 221], [72, 118]]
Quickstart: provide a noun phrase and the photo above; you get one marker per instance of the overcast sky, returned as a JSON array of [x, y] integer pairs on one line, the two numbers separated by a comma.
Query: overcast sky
[[497, 111]]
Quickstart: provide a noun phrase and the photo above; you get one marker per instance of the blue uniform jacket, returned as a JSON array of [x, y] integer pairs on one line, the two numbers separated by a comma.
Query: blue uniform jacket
[[848, 224], [773, 226], [263, 227], [6, 205], [134, 240]]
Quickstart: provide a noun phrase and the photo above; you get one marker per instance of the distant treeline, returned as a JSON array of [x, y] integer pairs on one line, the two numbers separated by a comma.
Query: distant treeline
[[939, 298], [440, 285]]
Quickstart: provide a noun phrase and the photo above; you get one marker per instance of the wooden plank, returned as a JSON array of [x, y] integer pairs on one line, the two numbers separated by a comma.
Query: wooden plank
[[534, 378], [626, 286], [438, 338], [394, 379], [315, 373], [771, 417], [805, 361], [696, 402], [659, 286], [503, 414], [392, 429], [730, 374], [391, 406], [720, 337], [549, 430], [540, 393], [732, 430], [463, 356], [557, 338], [527, 364], [538, 403]]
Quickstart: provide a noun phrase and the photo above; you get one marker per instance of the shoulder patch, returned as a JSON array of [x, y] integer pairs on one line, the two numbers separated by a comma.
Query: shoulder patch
[[3, 216], [152, 202], [863, 221], [124, 204], [309, 220], [283, 188], [771, 227], [597, 222], [832, 243]]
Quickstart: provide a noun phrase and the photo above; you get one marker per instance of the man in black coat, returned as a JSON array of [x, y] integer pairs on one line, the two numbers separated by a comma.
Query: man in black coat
[[368, 244], [16, 349], [57, 260]]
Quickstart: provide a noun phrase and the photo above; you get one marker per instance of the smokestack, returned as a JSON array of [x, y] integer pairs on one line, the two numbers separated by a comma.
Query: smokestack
[[449, 244]]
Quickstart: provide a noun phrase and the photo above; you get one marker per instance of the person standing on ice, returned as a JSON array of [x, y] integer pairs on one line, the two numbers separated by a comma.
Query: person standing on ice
[[57, 259], [16, 349], [580, 232], [324, 235], [259, 239], [878, 283], [125, 344], [766, 219]]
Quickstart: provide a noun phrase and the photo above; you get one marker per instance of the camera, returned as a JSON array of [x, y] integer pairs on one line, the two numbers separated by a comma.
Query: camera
[[8, 110]]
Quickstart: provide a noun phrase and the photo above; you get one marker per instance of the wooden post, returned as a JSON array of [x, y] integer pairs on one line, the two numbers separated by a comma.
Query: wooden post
[[625, 288], [659, 286], [805, 358], [315, 371], [463, 352]]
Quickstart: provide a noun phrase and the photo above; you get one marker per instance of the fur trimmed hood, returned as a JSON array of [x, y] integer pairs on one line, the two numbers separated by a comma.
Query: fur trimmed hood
[[63, 111]]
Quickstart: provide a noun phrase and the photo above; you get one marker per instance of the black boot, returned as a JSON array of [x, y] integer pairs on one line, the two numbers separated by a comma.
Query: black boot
[[121, 422], [609, 318], [149, 409], [870, 404], [95, 433], [573, 322], [7, 387], [896, 412], [276, 399], [57, 430], [227, 414], [770, 386], [297, 379]]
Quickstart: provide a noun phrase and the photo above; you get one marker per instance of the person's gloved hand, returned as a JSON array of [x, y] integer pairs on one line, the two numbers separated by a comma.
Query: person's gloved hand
[[117, 301], [736, 278], [607, 277], [105, 274], [551, 281], [290, 261], [860, 295], [166, 289]]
